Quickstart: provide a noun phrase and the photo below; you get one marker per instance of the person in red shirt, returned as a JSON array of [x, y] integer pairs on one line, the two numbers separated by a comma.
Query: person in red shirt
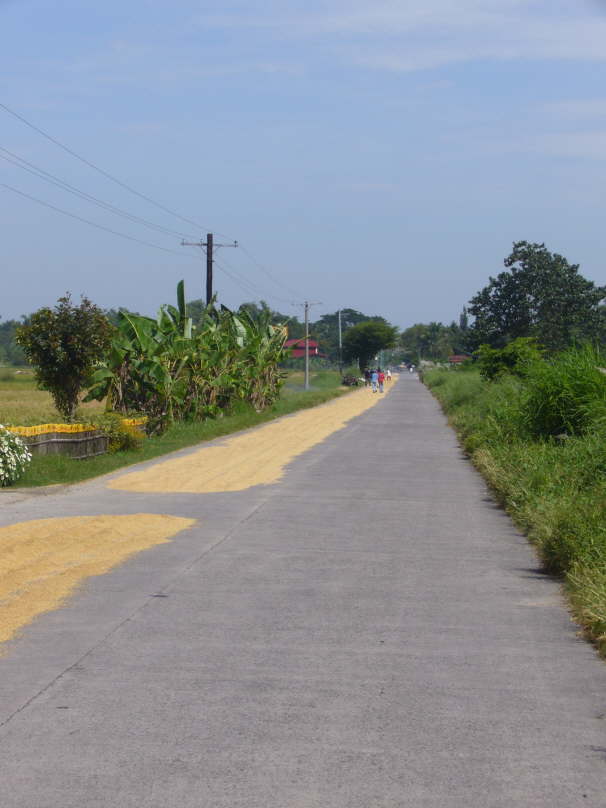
[[381, 380]]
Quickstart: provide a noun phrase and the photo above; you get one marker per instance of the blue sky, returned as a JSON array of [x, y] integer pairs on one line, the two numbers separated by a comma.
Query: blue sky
[[370, 154]]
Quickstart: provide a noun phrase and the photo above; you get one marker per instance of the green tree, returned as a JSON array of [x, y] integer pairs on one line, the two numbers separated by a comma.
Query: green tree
[[326, 329], [10, 352], [433, 341], [261, 312], [363, 341], [540, 295], [64, 344]]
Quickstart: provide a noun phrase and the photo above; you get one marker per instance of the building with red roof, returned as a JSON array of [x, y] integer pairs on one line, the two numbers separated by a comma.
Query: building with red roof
[[297, 348]]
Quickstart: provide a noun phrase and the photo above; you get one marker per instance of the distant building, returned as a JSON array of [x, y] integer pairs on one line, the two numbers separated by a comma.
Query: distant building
[[458, 359], [297, 348]]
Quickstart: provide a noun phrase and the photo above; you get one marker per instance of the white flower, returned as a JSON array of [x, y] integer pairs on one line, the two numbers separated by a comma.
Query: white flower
[[14, 457]]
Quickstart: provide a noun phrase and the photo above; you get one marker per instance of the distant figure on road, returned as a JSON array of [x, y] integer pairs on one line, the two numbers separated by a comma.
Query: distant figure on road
[[381, 380], [367, 378], [374, 380], [388, 375]]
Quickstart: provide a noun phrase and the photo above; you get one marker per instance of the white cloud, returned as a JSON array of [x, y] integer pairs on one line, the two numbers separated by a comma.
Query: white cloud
[[577, 110], [420, 34], [588, 145]]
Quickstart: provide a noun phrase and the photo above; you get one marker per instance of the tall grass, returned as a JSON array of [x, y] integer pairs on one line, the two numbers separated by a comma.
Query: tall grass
[[541, 445], [566, 395]]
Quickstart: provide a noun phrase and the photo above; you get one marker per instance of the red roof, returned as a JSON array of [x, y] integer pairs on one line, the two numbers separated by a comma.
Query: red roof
[[300, 343], [297, 347]]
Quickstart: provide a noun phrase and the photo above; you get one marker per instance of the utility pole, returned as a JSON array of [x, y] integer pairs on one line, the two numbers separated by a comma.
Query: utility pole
[[306, 307], [340, 345], [209, 246]]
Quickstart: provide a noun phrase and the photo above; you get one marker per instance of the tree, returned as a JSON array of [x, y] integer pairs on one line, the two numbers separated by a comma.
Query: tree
[[365, 340], [432, 341], [262, 312], [64, 344], [326, 329], [540, 295], [10, 352]]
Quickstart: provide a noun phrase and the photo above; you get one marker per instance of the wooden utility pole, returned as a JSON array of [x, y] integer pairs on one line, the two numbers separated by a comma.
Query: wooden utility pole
[[209, 268], [209, 246]]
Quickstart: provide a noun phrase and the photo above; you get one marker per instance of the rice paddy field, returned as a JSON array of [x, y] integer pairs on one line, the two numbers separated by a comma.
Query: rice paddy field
[[22, 404]]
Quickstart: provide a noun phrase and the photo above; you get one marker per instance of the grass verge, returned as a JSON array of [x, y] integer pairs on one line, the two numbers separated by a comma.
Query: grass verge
[[61, 470], [554, 488]]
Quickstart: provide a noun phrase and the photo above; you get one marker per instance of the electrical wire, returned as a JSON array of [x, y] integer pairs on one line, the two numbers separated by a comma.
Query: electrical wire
[[267, 272], [96, 168], [244, 283], [93, 224], [25, 165], [47, 176]]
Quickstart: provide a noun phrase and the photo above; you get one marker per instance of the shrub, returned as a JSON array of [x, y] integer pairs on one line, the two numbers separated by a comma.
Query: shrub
[[351, 381], [122, 437], [64, 344], [566, 395], [14, 457], [514, 358]]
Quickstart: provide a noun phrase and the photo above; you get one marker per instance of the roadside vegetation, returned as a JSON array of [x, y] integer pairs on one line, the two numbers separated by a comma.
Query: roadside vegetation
[[191, 373], [536, 429], [59, 469]]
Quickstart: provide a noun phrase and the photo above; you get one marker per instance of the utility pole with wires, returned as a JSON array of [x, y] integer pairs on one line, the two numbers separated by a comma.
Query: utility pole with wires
[[209, 246], [306, 307], [340, 345]]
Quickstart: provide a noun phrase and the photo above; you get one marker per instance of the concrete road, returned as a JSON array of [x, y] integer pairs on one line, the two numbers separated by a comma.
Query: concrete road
[[371, 632]]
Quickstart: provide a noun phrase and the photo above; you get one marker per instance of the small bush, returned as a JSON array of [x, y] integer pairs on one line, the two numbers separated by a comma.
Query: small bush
[[351, 381], [566, 395], [122, 437], [14, 457], [514, 358], [64, 345]]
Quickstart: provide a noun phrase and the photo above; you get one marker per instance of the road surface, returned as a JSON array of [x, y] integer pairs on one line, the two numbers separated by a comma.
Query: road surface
[[368, 631]]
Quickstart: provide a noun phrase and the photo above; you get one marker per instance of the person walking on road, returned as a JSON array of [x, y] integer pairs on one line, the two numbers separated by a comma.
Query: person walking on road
[[374, 380], [381, 380], [367, 378], [388, 375]]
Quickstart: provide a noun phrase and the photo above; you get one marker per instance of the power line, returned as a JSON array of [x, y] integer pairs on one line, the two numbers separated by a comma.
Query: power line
[[248, 287], [47, 176], [95, 167], [267, 272], [92, 224], [25, 165], [256, 289], [244, 284]]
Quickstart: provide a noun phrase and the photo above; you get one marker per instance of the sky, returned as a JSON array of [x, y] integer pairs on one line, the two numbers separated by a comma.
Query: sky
[[381, 155]]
